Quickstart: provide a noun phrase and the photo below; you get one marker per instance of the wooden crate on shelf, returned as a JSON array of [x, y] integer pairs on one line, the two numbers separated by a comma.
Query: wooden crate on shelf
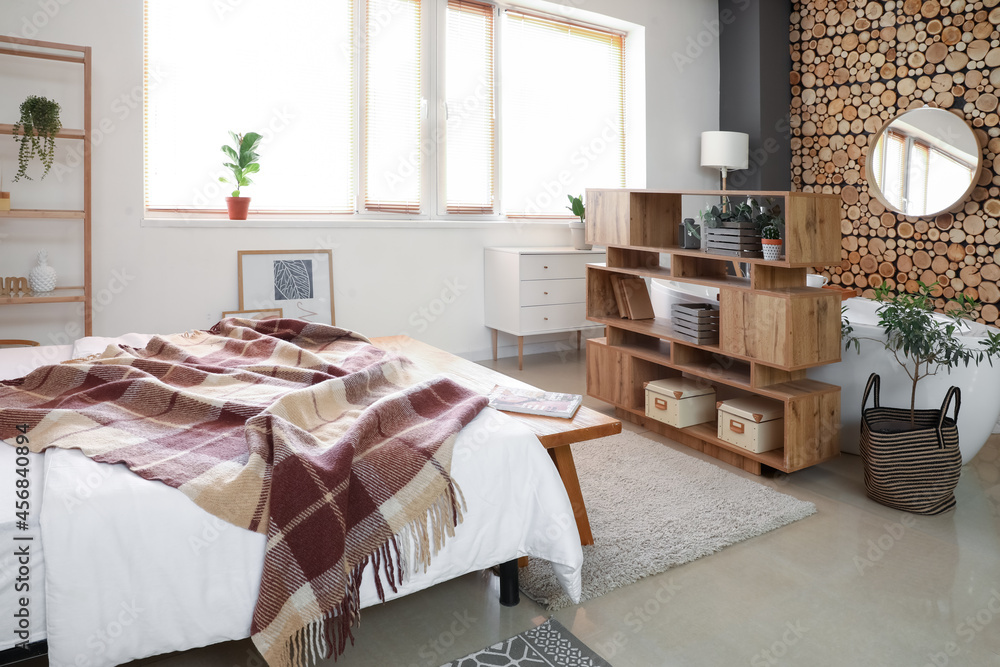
[[696, 322], [737, 239]]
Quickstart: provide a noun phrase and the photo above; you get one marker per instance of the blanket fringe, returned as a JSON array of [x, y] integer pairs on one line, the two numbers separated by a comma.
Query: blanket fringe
[[422, 538]]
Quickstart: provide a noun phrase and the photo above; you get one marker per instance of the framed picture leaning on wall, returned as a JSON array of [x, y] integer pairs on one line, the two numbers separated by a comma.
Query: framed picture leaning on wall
[[300, 282]]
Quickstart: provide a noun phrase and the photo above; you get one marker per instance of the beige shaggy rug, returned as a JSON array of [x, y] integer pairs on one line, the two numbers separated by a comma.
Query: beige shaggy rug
[[652, 508]]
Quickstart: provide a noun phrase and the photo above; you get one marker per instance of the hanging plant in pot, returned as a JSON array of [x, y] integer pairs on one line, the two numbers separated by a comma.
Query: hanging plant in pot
[[243, 163], [35, 132], [911, 457]]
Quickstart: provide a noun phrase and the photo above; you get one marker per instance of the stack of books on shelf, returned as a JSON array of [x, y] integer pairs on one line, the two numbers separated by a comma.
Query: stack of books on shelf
[[696, 322], [632, 297]]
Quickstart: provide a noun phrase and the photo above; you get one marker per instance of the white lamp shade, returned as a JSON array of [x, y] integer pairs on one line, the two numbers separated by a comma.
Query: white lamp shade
[[725, 150]]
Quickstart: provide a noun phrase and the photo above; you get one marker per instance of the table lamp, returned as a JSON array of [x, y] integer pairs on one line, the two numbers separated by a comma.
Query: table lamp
[[725, 151]]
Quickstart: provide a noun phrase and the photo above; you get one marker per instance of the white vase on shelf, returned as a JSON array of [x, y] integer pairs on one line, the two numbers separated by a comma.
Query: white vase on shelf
[[42, 278]]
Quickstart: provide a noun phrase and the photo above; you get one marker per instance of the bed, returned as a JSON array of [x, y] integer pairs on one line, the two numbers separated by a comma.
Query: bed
[[132, 568]]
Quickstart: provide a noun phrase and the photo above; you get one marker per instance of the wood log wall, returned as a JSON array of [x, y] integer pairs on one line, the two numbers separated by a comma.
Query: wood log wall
[[857, 64]]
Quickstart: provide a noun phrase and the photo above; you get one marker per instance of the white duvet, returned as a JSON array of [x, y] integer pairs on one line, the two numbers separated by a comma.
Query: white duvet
[[134, 568]]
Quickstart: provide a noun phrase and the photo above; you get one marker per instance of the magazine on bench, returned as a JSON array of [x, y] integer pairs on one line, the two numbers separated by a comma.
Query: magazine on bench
[[535, 402]]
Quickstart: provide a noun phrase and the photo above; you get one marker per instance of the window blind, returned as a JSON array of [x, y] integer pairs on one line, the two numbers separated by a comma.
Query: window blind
[[893, 172], [470, 171], [285, 70], [918, 164], [393, 106], [563, 113]]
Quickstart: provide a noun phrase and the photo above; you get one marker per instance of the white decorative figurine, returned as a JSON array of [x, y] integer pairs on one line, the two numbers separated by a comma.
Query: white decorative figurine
[[42, 278]]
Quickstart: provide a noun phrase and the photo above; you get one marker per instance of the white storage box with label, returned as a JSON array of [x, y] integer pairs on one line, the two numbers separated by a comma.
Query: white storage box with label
[[756, 424], [680, 402]]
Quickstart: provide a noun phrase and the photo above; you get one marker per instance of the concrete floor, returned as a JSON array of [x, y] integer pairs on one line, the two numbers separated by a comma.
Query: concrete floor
[[855, 584]]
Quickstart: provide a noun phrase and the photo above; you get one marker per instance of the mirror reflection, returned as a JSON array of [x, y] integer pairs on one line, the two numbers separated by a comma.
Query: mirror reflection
[[924, 162]]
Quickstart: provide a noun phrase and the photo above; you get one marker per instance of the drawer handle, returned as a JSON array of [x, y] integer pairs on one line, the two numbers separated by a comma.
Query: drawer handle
[[545, 293], [545, 267], [660, 403], [735, 426], [546, 319]]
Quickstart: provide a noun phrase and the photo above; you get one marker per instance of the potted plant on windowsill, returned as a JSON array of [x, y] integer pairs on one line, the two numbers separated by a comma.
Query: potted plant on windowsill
[[243, 163], [576, 229]]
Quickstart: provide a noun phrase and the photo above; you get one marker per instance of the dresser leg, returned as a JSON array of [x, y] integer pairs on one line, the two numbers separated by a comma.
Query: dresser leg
[[495, 333], [520, 353]]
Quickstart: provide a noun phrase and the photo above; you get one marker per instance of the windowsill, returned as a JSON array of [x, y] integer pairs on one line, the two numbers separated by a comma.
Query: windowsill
[[314, 222]]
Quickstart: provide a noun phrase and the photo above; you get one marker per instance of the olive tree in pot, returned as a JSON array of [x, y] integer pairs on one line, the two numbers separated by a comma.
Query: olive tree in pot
[[912, 459], [243, 163], [921, 341]]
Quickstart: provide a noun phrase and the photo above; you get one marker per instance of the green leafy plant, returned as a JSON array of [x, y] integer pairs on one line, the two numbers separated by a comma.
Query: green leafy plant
[[576, 206], [761, 214], [923, 342], [35, 133], [243, 159]]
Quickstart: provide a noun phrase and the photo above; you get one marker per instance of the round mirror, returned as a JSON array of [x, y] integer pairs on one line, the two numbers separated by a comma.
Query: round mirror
[[923, 162]]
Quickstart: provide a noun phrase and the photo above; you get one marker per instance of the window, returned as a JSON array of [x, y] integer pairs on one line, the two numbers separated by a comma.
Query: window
[[347, 92], [393, 106], [469, 107], [905, 168], [564, 128], [257, 67]]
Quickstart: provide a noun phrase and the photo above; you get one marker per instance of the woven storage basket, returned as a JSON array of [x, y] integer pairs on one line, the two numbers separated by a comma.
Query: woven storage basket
[[917, 470]]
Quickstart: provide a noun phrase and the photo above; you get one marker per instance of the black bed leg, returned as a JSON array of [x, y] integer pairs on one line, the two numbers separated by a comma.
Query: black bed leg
[[509, 595]]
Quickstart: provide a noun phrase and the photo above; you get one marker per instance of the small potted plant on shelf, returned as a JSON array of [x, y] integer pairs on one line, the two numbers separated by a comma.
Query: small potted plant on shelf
[[770, 237], [576, 229], [243, 163], [35, 131]]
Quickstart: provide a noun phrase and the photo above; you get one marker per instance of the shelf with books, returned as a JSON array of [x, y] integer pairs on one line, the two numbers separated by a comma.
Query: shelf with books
[[772, 326]]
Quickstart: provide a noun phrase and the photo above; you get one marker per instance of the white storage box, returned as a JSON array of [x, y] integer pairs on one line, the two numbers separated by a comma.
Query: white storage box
[[680, 402], [756, 424]]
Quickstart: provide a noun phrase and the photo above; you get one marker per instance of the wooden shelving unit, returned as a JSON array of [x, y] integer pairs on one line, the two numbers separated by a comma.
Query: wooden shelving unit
[[772, 326], [81, 55]]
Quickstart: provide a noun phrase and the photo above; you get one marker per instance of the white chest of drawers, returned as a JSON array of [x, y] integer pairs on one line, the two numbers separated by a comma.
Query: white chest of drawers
[[537, 290]]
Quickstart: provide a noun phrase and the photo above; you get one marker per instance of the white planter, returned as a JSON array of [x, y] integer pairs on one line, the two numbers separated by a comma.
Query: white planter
[[772, 251], [576, 231]]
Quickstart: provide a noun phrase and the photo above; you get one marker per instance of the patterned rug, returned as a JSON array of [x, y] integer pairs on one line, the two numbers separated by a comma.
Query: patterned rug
[[548, 645]]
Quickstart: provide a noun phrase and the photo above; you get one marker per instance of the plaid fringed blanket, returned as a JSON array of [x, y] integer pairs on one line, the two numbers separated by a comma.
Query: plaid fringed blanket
[[307, 432]]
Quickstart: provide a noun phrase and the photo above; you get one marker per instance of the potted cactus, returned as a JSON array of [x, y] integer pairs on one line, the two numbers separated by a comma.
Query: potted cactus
[[243, 163], [770, 237]]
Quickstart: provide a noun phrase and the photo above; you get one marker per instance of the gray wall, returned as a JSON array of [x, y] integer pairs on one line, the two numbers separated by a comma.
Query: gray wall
[[755, 94]]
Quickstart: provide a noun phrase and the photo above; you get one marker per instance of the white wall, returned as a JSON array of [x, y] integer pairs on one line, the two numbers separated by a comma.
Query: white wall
[[170, 279]]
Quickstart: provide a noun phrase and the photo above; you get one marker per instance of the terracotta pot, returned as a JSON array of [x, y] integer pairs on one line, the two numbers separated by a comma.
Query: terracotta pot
[[238, 207]]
